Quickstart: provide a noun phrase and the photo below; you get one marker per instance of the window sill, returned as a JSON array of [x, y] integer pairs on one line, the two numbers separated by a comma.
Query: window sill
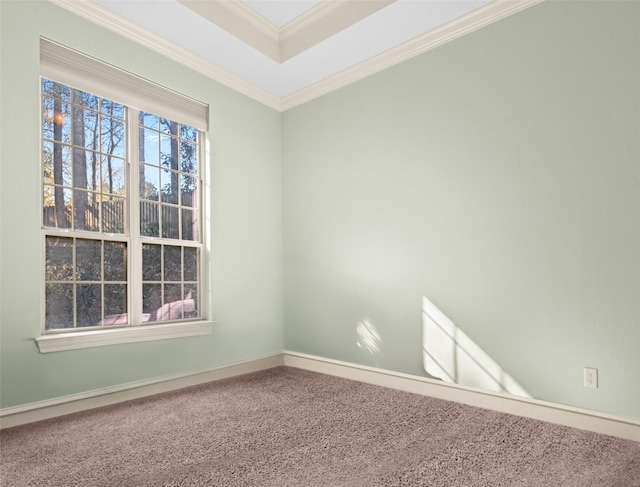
[[99, 338]]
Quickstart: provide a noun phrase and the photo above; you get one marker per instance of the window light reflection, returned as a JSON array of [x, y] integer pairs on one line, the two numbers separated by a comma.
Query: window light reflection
[[449, 354], [368, 337]]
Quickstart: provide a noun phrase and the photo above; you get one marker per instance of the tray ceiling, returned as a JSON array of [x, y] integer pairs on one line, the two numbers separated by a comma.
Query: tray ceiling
[[286, 52]]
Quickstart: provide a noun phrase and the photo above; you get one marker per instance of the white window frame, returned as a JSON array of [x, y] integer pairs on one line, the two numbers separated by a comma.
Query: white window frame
[[77, 70]]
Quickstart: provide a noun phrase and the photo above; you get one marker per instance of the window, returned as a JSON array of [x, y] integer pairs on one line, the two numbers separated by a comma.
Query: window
[[121, 201]]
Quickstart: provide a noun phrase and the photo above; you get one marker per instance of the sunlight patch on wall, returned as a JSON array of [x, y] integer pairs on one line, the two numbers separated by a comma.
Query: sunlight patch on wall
[[368, 337], [449, 354]]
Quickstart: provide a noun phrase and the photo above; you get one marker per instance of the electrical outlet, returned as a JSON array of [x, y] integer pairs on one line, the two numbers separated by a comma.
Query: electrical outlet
[[590, 377]]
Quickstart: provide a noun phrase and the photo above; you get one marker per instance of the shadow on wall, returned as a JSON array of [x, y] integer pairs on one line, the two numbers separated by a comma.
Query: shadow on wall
[[450, 355]]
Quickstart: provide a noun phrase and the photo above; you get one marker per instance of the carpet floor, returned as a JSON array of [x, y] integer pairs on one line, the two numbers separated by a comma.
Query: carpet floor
[[290, 427]]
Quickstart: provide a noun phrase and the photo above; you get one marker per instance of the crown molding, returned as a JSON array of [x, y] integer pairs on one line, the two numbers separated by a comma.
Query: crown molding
[[497, 10], [106, 18], [242, 10], [323, 21], [280, 44], [310, 17], [240, 21]]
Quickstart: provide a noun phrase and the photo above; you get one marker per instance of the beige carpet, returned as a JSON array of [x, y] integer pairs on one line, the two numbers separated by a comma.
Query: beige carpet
[[288, 427]]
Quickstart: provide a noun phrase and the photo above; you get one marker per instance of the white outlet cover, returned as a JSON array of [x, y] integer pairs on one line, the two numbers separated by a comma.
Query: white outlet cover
[[590, 377]]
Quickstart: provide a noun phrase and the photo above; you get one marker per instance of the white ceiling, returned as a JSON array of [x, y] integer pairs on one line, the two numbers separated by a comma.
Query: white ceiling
[[285, 52]]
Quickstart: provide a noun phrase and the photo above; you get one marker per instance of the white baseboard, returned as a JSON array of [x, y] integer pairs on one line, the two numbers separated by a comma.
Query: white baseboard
[[608, 424], [585, 419], [73, 403]]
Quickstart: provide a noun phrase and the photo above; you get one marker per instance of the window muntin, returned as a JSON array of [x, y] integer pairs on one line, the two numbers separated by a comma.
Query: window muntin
[[89, 204]]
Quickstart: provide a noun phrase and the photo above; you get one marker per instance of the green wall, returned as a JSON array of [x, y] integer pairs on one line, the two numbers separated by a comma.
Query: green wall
[[246, 238], [497, 175]]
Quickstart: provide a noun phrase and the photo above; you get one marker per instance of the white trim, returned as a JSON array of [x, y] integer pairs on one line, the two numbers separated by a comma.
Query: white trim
[[106, 18], [497, 10], [279, 44], [476, 19], [609, 424], [37, 411], [240, 21], [313, 16], [246, 13], [627, 428], [323, 21], [97, 338]]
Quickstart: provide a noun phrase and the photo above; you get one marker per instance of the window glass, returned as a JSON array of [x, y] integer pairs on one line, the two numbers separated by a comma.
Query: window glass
[[87, 206]]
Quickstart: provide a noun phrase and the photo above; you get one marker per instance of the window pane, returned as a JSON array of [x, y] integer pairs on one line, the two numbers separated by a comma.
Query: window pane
[[169, 152], [56, 89], [115, 304], [190, 264], [188, 187], [149, 182], [86, 131], [149, 226], [113, 175], [115, 261], [112, 136], [48, 117], [151, 301], [149, 147], [48, 209], [169, 187], [62, 165], [168, 126], [88, 305], [56, 211], [190, 304], [172, 263], [112, 108], [187, 132], [86, 211], [85, 99], [170, 223], [93, 215], [88, 260], [190, 225], [59, 306], [56, 163], [151, 262], [148, 120], [113, 210], [47, 162], [59, 259], [86, 166], [172, 309], [188, 157], [56, 120], [78, 135]]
